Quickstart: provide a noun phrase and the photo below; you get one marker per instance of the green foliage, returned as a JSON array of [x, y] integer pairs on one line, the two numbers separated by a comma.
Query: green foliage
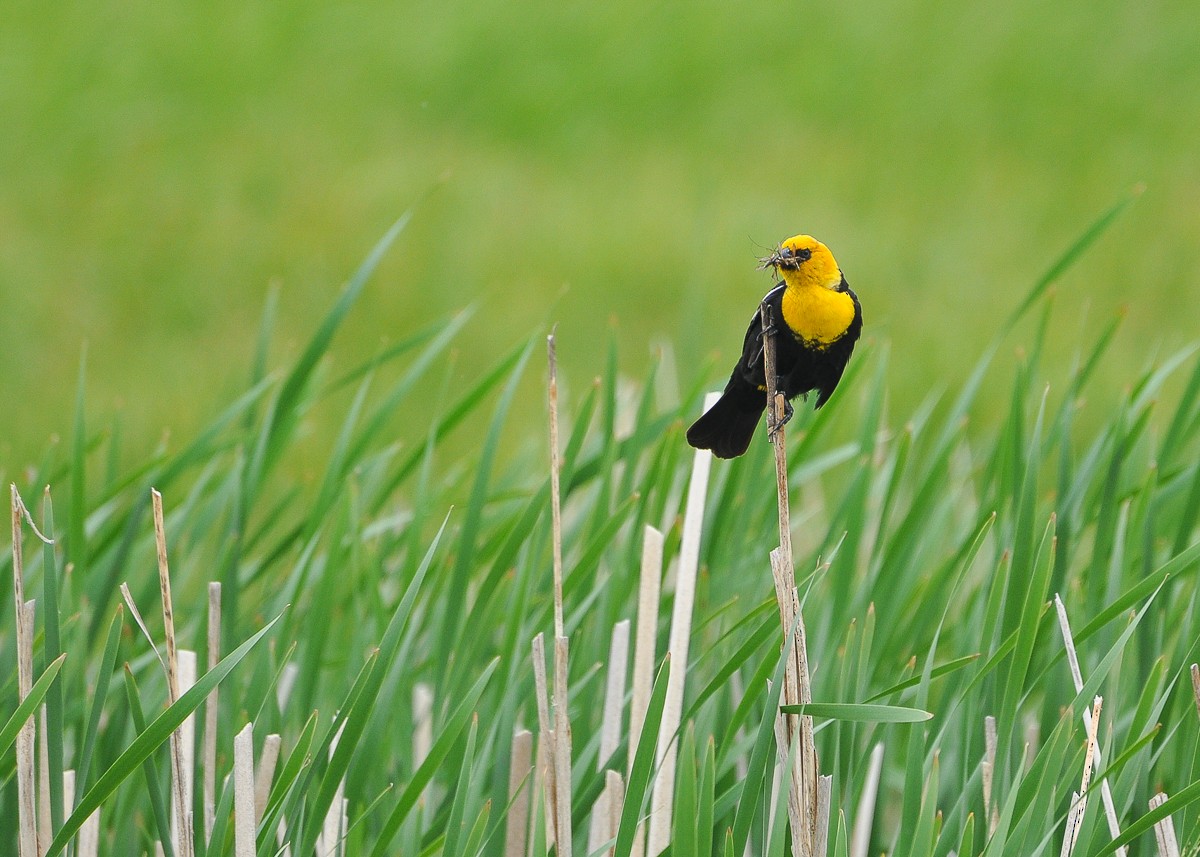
[[641, 155], [928, 548]]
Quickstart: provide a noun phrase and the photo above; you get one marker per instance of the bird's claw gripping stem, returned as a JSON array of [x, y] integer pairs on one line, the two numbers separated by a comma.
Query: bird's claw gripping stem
[[774, 425]]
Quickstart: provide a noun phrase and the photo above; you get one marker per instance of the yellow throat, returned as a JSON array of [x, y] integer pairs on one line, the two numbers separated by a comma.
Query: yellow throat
[[812, 307]]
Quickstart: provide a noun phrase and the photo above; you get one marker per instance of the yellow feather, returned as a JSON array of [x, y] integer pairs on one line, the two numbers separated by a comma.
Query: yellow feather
[[817, 315], [812, 307]]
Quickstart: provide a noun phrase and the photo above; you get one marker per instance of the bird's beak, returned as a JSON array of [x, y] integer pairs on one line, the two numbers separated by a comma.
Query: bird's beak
[[781, 258]]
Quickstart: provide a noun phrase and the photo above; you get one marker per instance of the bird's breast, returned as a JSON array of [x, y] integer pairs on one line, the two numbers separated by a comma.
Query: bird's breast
[[817, 316]]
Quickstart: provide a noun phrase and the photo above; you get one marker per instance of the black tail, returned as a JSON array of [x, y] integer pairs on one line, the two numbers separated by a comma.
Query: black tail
[[728, 426]]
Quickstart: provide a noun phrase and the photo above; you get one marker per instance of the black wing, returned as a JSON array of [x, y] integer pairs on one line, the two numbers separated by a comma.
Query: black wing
[[840, 351], [751, 363]]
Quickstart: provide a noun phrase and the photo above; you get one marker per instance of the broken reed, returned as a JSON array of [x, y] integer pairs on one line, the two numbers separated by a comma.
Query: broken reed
[[809, 816]]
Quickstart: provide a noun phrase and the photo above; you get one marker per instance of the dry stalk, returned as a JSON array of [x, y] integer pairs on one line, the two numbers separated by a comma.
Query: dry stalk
[[1106, 798], [187, 678], [182, 832], [649, 587], [614, 784], [663, 794], [562, 721], [1164, 831], [26, 812], [333, 829], [210, 711], [562, 752], [1196, 686], [541, 793], [264, 774], [797, 689], [610, 729], [287, 681], [990, 806], [860, 839], [824, 798], [422, 738], [243, 792], [45, 825], [555, 496], [519, 769], [545, 735], [1079, 799]]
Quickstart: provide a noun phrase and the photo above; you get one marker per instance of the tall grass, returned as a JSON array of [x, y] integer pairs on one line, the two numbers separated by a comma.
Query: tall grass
[[929, 550]]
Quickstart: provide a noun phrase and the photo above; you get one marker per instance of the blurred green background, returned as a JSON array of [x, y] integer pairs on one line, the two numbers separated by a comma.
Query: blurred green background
[[615, 166]]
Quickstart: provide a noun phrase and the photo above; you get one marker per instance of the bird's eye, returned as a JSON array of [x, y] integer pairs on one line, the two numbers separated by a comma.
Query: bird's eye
[[804, 254]]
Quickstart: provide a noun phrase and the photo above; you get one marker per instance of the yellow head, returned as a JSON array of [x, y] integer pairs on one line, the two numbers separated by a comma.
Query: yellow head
[[804, 262]]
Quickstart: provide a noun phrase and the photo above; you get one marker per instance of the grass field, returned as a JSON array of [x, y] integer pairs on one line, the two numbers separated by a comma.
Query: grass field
[[359, 613], [573, 164], [356, 451]]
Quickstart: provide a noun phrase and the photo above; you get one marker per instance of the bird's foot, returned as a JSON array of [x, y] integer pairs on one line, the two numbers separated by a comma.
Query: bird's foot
[[773, 425]]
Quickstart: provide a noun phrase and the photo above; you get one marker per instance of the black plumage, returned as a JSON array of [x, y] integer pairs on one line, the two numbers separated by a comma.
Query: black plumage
[[801, 368]]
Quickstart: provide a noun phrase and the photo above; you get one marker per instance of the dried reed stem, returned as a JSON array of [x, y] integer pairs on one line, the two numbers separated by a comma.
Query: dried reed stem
[[87, 843], [614, 785], [182, 828], [860, 839], [334, 828], [45, 826], [26, 812], [287, 681], [210, 711], [562, 722], [545, 734], [422, 704], [1164, 831], [519, 769], [555, 497], [243, 792], [562, 752], [824, 798], [422, 738], [649, 586], [610, 728], [663, 794], [187, 729], [1079, 799], [1196, 686], [264, 774], [803, 799], [1106, 798], [990, 806]]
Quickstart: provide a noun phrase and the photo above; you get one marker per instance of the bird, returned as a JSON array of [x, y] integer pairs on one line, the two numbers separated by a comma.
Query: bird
[[818, 320]]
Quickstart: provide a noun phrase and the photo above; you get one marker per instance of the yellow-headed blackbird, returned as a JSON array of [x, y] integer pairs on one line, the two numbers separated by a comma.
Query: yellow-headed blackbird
[[818, 319]]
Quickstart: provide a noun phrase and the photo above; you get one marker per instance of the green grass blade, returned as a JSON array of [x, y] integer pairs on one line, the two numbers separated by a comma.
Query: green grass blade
[[687, 788], [99, 694], [441, 747], [937, 672], [8, 733], [761, 755], [1071, 256], [155, 734], [157, 803], [456, 824], [52, 649], [859, 713], [285, 410], [641, 772], [1180, 800]]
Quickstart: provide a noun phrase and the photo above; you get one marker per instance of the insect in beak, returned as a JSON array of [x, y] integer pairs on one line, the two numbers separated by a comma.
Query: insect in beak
[[781, 258]]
